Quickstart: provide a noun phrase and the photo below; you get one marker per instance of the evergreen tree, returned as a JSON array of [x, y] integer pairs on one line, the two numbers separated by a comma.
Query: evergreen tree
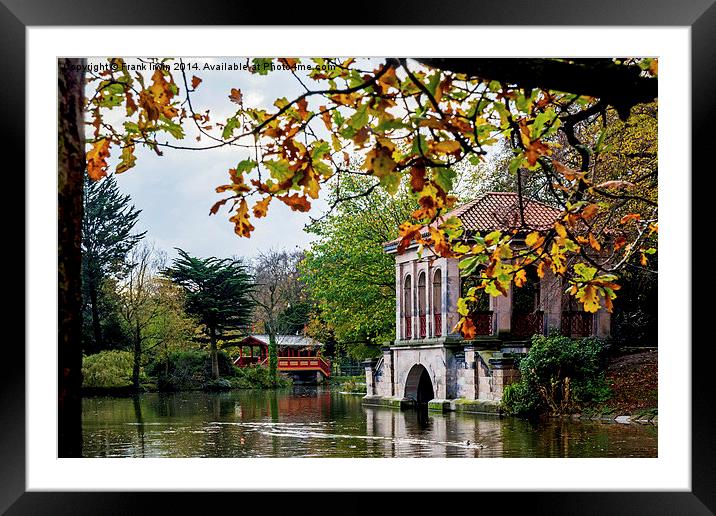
[[107, 238], [217, 293]]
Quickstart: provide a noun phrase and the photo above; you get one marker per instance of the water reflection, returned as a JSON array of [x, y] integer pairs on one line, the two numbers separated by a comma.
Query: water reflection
[[311, 422]]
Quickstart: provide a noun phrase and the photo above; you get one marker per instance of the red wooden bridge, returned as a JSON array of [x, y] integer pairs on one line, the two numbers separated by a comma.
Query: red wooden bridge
[[296, 353]]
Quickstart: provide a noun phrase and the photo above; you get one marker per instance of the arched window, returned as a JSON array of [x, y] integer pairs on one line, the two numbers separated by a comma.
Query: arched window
[[437, 304], [421, 305], [407, 308]]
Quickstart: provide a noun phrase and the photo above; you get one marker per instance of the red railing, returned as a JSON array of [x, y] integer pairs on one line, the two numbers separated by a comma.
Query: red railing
[[247, 361], [482, 322], [527, 324], [437, 324], [577, 324], [304, 364], [408, 332], [423, 326]]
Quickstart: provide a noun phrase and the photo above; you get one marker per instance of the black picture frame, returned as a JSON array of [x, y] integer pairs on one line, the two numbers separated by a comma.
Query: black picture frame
[[16, 15]]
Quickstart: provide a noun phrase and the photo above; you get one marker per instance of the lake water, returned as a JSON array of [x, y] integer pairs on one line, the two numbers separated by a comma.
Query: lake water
[[319, 422]]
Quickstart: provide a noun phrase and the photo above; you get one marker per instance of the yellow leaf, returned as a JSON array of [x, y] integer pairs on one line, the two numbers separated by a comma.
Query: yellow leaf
[[520, 277], [560, 229], [447, 147], [534, 239], [589, 297]]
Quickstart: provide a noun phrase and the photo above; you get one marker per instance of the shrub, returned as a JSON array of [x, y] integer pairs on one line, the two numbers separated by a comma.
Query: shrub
[[108, 370], [221, 384], [353, 386], [186, 370], [258, 377], [558, 375]]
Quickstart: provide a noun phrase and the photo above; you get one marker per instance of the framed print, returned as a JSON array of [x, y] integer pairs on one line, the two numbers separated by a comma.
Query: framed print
[[464, 128]]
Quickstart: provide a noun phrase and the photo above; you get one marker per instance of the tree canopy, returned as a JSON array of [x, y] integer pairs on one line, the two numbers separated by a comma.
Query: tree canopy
[[420, 119], [107, 238], [350, 277], [217, 291]]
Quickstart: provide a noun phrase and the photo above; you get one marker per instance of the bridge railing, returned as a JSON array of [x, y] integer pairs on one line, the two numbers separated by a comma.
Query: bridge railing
[[304, 363]]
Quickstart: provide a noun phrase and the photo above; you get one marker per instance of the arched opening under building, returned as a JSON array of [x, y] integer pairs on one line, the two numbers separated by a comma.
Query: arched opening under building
[[418, 386]]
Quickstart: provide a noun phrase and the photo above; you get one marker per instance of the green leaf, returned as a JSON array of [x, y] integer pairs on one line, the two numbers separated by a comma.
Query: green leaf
[[262, 65], [245, 166], [359, 118], [444, 177], [176, 130], [279, 170], [231, 124]]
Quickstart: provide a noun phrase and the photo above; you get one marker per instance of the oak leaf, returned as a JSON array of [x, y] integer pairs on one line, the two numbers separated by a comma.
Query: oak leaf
[[96, 159]]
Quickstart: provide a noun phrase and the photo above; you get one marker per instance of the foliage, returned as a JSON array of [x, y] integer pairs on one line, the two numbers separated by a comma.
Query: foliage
[[258, 377], [558, 375], [107, 224], [217, 293], [151, 308], [108, 369], [187, 370], [420, 120], [219, 384], [352, 385], [350, 277]]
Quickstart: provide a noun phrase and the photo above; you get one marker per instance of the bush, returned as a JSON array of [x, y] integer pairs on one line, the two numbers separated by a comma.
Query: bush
[[108, 370], [187, 370], [221, 384], [258, 377], [558, 376]]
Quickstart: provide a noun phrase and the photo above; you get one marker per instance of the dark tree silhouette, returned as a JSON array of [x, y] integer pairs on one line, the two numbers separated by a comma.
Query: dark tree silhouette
[[217, 293]]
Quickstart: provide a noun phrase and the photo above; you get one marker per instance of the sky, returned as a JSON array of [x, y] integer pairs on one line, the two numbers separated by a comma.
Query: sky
[[176, 190]]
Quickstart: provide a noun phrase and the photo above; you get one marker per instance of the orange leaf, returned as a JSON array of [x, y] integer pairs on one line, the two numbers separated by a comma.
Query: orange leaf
[[466, 327], [631, 216], [417, 178], [590, 211], [242, 226], [261, 207], [195, 81], [296, 202], [96, 159], [407, 233], [594, 243], [236, 96]]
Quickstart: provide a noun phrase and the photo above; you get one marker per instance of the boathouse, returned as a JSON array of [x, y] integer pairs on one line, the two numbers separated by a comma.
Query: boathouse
[[298, 355], [428, 362]]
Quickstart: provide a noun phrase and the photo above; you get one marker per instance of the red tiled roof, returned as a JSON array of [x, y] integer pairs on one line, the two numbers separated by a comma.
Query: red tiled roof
[[501, 211]]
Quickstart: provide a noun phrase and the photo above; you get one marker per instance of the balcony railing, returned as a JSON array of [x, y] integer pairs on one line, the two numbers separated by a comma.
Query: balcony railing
[[483, 322], [527, 324], [423, 326], [408, 329], [577, 324], [437, 324]]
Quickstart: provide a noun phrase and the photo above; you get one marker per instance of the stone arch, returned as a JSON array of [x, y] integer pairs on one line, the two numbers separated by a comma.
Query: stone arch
[[418, 385]]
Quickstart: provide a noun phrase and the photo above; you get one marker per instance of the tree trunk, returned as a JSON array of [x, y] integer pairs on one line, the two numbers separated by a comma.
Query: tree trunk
[[137, 356], [71, 166], [273, 355], [96, 326], [214, 356]]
